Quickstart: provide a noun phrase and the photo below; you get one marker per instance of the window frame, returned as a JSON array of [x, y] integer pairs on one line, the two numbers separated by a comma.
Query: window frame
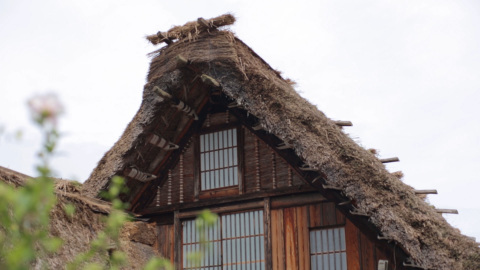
[[222, 191], [333, 251], [222, 239]]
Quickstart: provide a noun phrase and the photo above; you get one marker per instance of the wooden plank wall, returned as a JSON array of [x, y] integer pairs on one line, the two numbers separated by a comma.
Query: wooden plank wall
[[165, 241], [281, 172], [290, 238]]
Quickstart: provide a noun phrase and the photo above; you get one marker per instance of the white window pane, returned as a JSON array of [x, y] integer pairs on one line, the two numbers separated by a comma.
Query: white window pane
[[234, 133], [235, 157], [342, 238], [344, 261], [202, 143], [331, 244]]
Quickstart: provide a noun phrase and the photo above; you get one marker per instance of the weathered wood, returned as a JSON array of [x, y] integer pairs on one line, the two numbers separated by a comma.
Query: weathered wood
[[278, 243], [353, 246], [305, 167], [223, 209], [214, 193], [164, 95], [303, 234], [447, 211], [177, 248], [291, 252], [284, 145], [201, 21], [343, 123], [225, 200], [181, 61], [426, 191], [325, 186], [233, 104], [161, 142], [136, 174], [367, 249], [329, 214], [209, 80], [296, 200], [196, 169], [388, 160], [345, 203], [357, 212], [267, 232], [241, 159], [163, 37]]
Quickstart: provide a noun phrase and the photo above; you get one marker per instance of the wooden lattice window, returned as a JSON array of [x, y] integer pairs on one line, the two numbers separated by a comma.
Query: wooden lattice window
[[218, 159], [328, 249], [235, 242]]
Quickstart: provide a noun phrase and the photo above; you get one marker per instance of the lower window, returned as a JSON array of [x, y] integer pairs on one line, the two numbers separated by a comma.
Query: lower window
[[327, 249], [236, 241]]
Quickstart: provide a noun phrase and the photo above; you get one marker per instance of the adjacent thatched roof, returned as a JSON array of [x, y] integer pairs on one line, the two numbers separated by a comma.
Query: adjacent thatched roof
[[392, 206], [79, 230]]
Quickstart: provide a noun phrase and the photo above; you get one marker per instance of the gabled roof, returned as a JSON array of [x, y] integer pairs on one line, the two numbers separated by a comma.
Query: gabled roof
[[198, 52]]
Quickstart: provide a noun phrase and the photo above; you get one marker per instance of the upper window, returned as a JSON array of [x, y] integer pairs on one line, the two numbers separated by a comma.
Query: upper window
[[327, 249], [218, 159], [236, 241]]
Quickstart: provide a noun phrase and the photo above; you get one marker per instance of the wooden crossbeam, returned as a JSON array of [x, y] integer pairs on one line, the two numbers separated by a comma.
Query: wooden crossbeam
[[209, 80], [426, 191], [447, 211], [343, 123], [181, 61], [388, 160], [331, 187], [164, 38], [284, 145]]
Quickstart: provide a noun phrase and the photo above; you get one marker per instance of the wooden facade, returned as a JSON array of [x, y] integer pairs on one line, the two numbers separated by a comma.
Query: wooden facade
[[295, 215]]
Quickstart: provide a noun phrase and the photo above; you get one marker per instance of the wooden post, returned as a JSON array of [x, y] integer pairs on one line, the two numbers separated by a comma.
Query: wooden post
[[388, 160], [257, 167], [343, 123], [169, 196], [447, 211], [196, 168], [268, 233], [274, 171], [181, 178], [426, 191], [177, 246]]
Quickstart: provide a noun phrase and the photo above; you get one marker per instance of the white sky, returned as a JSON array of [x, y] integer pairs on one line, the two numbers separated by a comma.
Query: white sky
[[406, 73]]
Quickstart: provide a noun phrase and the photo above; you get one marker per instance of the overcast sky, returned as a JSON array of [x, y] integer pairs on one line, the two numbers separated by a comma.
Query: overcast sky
[[406, 73]]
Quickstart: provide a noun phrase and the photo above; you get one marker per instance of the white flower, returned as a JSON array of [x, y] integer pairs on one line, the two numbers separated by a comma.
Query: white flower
[[45, 108]]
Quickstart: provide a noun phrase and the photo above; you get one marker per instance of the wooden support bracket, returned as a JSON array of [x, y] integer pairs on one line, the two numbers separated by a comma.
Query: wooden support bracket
[[233, 104], [305, 167], [138, 175], [343, 123], [161, 142], [209, 80], [331, 187], [388, 160], [358, 213], [447, 211], [344, 203], [426, 191], [284, 145], [413, 265], [181, 61]]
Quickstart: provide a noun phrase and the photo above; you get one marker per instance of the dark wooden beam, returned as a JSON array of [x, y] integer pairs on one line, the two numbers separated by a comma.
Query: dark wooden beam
[[447, 211], [426, 191], [343, 123], [268, 232], [226, 200], [388, 160]]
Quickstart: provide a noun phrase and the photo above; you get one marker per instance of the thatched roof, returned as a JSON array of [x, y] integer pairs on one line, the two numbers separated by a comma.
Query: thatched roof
[[391, 206], [79, 230]]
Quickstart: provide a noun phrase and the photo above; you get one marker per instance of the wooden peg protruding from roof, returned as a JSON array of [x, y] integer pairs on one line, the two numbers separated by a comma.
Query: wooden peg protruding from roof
[[388, 160], [201, 21], [305, 167], [209, 80], [284, 145], [181, 61], [136, 174], [163, 37], [164, 95], [426, 191], [343, 123], [161, 142], [447, 211], [180, 105], [233, 104]]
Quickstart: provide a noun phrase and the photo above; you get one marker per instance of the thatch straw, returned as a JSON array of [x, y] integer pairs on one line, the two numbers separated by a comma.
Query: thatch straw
[[192, 29]]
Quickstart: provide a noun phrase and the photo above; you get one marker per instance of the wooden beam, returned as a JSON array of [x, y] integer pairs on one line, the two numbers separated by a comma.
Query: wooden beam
[[233, 104], [388, 160], [177, 246], [223, 209], [447, 211], [343, 123], [163, 37], [331, 187], [201, 21], [284, 145], [226, 200], [136, 174], [209, 80], [161, 142], [267, 232], [181, 61], [296, 200], [426, 191]]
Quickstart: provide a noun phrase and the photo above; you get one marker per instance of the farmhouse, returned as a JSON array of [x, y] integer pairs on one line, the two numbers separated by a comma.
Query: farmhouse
[[218, 128]]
